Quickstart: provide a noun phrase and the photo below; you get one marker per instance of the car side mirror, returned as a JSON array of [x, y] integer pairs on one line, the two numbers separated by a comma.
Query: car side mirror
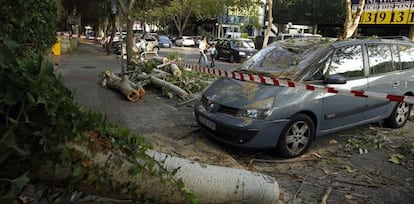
[[335, 79]]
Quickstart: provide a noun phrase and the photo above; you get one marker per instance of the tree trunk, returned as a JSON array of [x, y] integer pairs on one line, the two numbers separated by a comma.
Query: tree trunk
[[123, 85], [269, 23], [411, 34], [109, 44], [351, 22], [210, 184]]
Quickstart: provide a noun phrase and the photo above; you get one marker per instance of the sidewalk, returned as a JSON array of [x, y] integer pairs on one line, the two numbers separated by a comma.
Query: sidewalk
[[170, 128]]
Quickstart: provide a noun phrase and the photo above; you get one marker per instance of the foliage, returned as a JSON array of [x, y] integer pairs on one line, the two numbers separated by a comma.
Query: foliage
[[29, 22], [373, 139], [181, 10]]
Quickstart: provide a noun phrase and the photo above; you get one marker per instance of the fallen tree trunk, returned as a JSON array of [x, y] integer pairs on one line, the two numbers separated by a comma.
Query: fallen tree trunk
[[177, 90], [210, 184], [175, 70], [129, 89]]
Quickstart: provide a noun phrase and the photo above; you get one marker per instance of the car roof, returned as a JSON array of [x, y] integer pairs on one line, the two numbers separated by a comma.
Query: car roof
[[371, 40]]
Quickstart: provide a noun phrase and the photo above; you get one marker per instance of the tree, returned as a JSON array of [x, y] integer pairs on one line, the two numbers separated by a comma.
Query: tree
[[128, 15], [352, 20], [181, 10], [269, 23]]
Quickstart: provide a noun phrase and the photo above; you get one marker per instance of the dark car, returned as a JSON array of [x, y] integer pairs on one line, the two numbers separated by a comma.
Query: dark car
[[235, 50], [263, 116], [164, 41]]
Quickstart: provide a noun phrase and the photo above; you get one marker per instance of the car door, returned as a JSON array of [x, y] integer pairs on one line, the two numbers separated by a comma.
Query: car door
[[339, 110], [226, 48], [385, 77]]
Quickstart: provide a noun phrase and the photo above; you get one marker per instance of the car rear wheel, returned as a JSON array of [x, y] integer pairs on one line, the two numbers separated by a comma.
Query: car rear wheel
[[399, 115], [296, 137]]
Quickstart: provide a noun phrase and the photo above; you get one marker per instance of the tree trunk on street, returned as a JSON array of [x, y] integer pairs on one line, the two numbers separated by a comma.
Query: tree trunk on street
[[210, 184], [124, 85], [352, 21]]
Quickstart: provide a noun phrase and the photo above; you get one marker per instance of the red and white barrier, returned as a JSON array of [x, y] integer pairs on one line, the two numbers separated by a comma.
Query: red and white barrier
[[292, 84]]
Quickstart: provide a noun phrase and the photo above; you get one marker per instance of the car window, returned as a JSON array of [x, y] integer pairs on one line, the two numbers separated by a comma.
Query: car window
[[348, 62], [319, 68], [226, 44], [406, 56], [380, 58], [243, 44], [163, 37]]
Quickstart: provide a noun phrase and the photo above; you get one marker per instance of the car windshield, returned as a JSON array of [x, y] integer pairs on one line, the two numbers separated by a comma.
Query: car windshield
[[162, 37], [290, 57], [243, 44]]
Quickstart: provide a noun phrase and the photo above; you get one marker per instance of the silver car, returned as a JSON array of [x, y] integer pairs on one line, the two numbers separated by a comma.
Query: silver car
[[258, 116]]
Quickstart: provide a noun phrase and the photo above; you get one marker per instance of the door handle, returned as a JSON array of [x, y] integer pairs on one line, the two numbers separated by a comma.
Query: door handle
[[396, 83]]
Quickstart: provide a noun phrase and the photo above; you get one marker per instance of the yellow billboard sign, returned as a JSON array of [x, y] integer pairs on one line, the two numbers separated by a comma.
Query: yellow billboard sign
[[386, 11]]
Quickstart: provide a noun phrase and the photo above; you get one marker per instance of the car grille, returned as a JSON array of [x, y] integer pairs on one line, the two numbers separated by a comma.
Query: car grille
[[214, 107], [228, 110], [231, 134]]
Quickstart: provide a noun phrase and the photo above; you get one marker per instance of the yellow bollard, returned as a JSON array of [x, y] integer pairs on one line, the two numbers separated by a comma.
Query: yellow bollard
[[56, 47]]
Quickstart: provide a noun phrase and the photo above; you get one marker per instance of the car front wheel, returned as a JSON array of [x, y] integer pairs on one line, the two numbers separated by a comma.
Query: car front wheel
[[156, 49], [399, 115], [296, 137]]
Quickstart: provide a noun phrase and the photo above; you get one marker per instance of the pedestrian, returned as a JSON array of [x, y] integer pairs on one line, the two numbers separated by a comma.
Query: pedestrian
[[143, 43], [213, 54], [203, 49]]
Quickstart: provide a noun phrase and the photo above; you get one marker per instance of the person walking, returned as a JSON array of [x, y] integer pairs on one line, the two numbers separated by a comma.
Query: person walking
[[213, 54], [203, 49]]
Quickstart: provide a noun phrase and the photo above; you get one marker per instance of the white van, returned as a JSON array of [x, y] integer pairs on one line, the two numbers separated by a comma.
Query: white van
[[285, 36]]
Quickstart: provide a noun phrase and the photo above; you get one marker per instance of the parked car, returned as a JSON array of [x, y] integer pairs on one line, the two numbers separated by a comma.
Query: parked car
[[152, 44], [118, 37], [197, 40], [258, 116], [184, 41], [164, 41], [235, 50]]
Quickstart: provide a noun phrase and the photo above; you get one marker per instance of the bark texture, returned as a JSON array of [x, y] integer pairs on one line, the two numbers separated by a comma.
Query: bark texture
[[210, 184]]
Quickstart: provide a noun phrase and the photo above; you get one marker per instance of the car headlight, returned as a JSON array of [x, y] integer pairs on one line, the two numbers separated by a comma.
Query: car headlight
[[242, 53], [259, 109], [254, 113]]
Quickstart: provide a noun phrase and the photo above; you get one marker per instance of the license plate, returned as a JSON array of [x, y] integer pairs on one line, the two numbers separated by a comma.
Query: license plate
[[207, 122]]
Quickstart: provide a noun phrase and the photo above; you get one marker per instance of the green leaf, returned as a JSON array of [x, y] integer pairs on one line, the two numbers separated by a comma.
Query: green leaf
[[349, 169], [20, 181], [118, 160], [396, 158], [77, 170], [9, 139]]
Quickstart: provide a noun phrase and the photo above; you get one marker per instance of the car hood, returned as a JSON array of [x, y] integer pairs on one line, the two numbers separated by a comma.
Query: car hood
[[241, 94]]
